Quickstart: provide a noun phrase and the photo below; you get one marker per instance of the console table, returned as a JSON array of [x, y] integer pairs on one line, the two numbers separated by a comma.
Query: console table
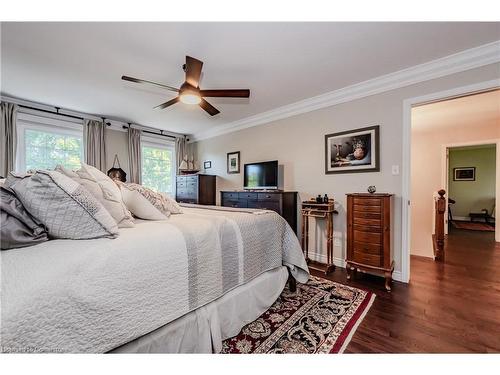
[[321, 211]]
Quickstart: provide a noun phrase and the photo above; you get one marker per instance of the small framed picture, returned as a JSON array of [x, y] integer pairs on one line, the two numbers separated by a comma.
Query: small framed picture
[[207, 164], [233, 162], [352, 151], [464, 174]]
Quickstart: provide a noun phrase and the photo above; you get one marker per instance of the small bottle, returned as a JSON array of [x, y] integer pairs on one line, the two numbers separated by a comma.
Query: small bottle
[[319, 199], [325, 198]]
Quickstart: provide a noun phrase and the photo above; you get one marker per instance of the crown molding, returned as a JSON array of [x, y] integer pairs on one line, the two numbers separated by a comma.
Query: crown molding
[[455, 63]]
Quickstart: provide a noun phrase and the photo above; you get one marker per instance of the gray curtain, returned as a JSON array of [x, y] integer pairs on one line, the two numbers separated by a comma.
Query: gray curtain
[[8, 138], [95, 150], [180, 150], [134, 155]]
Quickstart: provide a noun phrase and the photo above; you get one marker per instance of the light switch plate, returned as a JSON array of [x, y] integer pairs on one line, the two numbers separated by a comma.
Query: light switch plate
[[395, 170]]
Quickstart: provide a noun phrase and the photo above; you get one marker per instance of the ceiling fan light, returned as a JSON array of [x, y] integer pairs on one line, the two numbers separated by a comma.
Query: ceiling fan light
[[190, 98]]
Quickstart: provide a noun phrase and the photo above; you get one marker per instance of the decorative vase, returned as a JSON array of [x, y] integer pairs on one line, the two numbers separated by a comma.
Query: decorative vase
[[372, 189]]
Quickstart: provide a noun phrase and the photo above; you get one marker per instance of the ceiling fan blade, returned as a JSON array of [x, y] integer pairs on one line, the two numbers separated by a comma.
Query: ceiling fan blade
[[208, 107], [232, 93], [167, 104], [193, 71], [137, 80]]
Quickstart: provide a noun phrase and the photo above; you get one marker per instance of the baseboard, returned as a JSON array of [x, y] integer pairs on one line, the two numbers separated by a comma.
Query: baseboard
[[340, 262]]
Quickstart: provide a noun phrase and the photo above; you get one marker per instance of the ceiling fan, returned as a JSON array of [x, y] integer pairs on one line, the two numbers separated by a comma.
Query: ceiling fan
[[190, 92]]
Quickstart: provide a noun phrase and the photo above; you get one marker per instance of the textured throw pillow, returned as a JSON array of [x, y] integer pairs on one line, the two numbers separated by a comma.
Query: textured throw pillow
[[104, 189], [63, 206], [161, 202]]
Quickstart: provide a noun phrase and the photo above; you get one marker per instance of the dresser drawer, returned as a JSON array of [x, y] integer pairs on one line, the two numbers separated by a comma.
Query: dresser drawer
[[367, 222], [181, 184], [366, 208], [367, 228], [181, 192], [268, 197], [245, 195], [240, 203], [192, 178], [367, 248], [368, 259], [367, 237], [367, 201], [230, 195], [366, 215], [268, 205], [192, 185]]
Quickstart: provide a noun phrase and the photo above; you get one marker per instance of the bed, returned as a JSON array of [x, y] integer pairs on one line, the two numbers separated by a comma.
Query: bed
[[180, 285]]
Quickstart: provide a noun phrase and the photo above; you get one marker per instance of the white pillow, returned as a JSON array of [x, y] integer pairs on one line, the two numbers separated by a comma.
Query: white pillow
[[104, 189], [140, 206], [162, 202]]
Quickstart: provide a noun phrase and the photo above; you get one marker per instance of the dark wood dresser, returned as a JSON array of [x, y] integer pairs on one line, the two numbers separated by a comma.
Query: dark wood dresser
[[196, 188], [369, 235], [283, 202]]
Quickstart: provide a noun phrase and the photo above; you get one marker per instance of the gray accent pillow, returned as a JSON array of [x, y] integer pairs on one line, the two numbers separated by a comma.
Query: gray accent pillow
[[63, 206], [17, 227]]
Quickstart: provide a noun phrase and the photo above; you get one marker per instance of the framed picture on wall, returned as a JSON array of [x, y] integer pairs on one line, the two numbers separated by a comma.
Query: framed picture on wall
[[233, 162], [352, 151], [464, 174], [207, 164]]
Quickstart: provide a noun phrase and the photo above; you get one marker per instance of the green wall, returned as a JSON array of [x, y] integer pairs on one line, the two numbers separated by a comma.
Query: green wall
[[472, 196]]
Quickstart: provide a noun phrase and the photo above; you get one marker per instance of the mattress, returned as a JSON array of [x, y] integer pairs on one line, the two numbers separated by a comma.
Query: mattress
[[93, 296]]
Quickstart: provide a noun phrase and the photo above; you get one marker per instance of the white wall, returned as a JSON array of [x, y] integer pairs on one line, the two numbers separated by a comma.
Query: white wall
[[117, 143], [298, 143], [473, 196]]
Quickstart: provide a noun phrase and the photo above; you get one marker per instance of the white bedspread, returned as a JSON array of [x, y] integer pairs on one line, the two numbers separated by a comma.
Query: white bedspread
[[95, 295]]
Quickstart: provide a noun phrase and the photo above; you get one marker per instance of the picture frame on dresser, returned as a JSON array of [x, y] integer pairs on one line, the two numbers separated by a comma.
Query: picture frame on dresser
[[233, 162], [353, 151]]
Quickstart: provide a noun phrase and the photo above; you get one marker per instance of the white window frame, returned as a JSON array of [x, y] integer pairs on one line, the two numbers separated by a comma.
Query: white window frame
[[166, 145], [27, 121]]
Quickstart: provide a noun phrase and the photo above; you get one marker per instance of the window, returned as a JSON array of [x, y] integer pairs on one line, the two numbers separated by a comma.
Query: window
[[158, 166], [44, 143]]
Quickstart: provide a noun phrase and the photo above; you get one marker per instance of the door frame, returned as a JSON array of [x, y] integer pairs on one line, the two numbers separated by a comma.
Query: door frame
[[445, 164], [408, 104]]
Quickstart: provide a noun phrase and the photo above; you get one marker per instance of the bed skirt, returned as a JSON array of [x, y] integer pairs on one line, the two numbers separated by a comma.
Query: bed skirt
[[204, 329]]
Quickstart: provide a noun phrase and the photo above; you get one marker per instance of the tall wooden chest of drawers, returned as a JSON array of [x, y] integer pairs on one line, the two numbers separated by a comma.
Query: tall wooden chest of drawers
[[369, 238], [196, 188]]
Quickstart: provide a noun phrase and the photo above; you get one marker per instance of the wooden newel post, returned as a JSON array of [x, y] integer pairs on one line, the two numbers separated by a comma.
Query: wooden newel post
[[439, 235]]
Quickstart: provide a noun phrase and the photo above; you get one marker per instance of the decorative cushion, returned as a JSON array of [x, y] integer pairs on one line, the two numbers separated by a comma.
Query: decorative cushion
[[63, 206], [161, 202], [104, 189]]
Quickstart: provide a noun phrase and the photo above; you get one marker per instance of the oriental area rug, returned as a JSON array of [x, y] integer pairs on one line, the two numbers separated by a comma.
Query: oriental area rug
[[320, 317]]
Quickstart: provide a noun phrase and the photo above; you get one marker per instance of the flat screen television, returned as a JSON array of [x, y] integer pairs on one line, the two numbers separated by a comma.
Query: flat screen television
[[262, 175]]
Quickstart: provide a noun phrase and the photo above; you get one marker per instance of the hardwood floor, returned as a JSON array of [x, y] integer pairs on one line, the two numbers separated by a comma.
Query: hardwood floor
[[447, 308]]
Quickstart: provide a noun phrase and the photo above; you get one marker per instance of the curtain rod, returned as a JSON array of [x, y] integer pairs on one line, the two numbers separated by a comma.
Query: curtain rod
[[149, 132], [56, 112]]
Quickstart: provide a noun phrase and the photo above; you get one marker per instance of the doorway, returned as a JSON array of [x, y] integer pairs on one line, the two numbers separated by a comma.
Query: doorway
[[463, 129], [471, 187]]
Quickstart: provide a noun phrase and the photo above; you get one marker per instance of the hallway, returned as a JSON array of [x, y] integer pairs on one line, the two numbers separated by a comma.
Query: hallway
[[448, 308]]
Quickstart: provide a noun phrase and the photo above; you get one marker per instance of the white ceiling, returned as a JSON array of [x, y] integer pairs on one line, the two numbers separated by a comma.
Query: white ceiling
[[467, 111], [78, 65]]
